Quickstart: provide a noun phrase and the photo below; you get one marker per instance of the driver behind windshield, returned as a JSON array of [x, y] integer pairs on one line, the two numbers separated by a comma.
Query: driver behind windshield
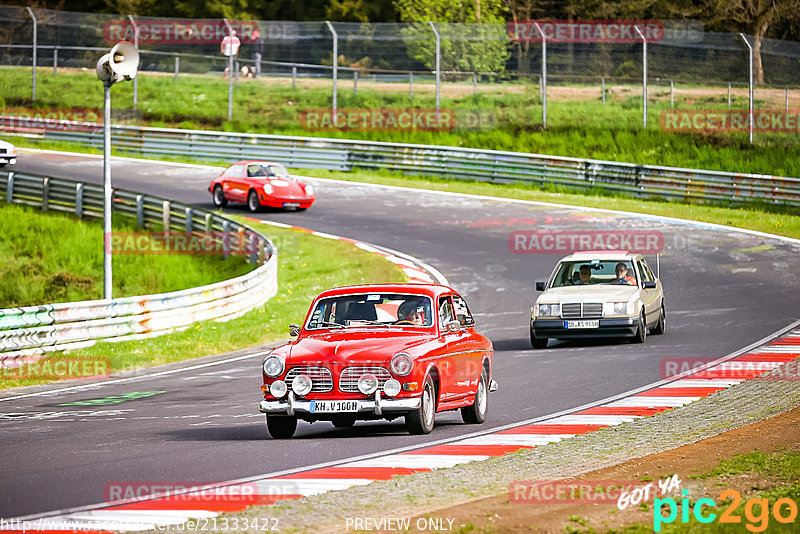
[[622, 275], [411, 312]]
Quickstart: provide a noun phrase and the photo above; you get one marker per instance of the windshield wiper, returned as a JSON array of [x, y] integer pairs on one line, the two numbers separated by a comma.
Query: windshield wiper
[[331, 324], [372, 321]]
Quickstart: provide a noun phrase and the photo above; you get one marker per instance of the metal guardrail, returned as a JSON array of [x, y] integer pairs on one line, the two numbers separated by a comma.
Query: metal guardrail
[[31, 331], [644, 181]]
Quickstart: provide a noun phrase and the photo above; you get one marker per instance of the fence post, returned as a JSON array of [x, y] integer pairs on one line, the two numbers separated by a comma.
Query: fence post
[[644, 76], [729, 95], [294, 78], [750, 82], [10, 188], [136, 44], [209, 221], [140, 211], [226, 238], [355, 82], [35, 48], [603, 87], [438, 64], [55, 60], [671, 94], [79, 200], [475, 84], [230, 69], [45, 193], [787, 101], [543, 79], [411, 85], [188, 224], [335, 65], [177, 67], [165, 215]]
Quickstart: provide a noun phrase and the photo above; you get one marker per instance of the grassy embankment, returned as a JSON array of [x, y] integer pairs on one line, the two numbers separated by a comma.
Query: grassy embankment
[[308, 264], [585, 128]]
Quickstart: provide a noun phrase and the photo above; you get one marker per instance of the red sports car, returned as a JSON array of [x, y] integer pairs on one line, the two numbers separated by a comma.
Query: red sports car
[[379, 352], [260, 184]]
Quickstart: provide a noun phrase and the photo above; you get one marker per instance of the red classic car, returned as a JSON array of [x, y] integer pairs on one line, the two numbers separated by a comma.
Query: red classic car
[[379, 352], [260, 184]]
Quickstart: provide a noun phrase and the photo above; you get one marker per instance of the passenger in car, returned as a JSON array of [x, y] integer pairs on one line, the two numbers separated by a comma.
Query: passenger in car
[[584, 277]]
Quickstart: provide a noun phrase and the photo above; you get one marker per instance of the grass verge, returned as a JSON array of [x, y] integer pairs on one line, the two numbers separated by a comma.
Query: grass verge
[[56, 257], [307, 265]]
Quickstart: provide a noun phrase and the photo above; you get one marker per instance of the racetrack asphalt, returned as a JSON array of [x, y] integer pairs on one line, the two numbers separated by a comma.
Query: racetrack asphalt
[[723, 291]]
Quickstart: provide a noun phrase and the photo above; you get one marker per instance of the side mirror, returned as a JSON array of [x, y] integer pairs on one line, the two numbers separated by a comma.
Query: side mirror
[[294, 330], [453, 326], [649, 285], [539, 286]]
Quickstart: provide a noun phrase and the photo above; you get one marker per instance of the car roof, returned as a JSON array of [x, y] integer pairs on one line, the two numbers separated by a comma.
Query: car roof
[[601, 255], [432, 290], [249, 161]]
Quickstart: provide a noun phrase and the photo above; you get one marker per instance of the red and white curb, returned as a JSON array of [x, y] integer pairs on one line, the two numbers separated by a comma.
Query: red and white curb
[[417, 271], [754, 361]]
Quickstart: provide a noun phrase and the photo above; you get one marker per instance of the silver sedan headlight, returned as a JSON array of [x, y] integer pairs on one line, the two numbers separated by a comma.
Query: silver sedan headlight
[[618, 308], [547, 310], [273, 366]]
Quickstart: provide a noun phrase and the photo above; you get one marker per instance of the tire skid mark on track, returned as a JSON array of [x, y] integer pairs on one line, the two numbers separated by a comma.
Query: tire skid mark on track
[[761, 357]]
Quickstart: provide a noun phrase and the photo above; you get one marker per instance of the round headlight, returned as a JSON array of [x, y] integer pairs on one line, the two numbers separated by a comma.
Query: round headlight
[[301, 385], [401, 364], [273, 366], [309, 190], [391, 387], [277, 389], [268, 189], [368, 383]]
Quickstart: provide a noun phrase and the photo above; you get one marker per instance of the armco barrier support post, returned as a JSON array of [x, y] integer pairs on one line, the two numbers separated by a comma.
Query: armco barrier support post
[[35, 46], [209, 221], [45, 193], [165, 215], [226, 238], [140, 211], [79, 200], [10, 188], [188, 224]]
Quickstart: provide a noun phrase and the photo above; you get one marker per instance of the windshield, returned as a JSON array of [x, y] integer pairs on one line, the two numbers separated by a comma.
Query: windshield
[[591, 272], [372, 310], [272, 170]]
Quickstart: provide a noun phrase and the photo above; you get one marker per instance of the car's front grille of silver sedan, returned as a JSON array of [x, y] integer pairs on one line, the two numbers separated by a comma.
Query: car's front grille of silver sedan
[[348, 380], [321, 378], [582, 310]]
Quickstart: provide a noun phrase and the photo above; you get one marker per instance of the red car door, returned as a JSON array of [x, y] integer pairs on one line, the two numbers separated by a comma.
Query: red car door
[[458, 366]]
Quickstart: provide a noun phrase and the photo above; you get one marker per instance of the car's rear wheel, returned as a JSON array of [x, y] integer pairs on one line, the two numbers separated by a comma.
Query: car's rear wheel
[[538, 342], [218, 197], [641, 330], [661, 325], [281, 426], [420, 421], [476, 414], [252, 201], [344, 421]]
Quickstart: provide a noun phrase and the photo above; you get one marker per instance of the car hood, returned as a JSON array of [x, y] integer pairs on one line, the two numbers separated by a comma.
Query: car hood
[[593, 293], [343, 347], [283, 186]]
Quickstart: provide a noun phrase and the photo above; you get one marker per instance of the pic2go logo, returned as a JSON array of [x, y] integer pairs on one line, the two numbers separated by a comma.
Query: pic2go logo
[[783, 510]]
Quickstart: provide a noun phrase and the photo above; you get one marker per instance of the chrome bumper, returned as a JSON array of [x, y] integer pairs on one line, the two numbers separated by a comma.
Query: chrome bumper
[[376, 405]]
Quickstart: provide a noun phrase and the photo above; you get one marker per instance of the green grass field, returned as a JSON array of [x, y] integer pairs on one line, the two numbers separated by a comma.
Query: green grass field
[[585, 128], [54, 257]]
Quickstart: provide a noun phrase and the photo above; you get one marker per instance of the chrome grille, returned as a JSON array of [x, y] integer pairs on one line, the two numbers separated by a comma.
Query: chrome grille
[[585, 310], [348, 380], [321, 378]]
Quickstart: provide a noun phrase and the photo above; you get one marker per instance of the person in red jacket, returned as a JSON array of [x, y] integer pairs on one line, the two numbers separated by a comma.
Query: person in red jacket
[[622, 275]]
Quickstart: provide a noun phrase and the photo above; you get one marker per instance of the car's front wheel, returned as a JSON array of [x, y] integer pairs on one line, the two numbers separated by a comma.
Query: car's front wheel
[[641, 330], [218, 197], [476, 414], [538, 342], [420, 421], [252, 201], [281, 426]]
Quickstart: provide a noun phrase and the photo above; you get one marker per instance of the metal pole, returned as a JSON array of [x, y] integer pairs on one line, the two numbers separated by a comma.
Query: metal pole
[[411, 85], [475, 84], [294, 78], [543, 79], [644, 76], [230, 71], [335, 65], [136, 44], [729, 95], [177, 67], [603, 86], [55, 60], [750, 48], [35, 46], [787, 101], [438, 64], [355, 82], [671, 94], [107, 192]]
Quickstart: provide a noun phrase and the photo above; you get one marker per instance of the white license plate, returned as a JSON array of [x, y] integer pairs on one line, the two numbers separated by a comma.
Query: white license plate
[[333, 406], [291, 204], [582, 324]]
